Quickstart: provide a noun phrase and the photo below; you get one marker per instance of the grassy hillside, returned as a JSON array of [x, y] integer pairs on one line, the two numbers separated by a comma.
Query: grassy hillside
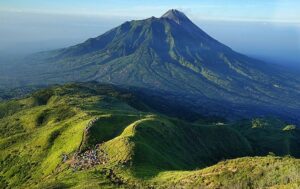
[[248, 172], [101, 136], [270, 135]]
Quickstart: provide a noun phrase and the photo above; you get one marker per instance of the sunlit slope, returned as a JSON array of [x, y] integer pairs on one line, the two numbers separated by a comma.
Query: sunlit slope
[[37, 130], [103, 136], [160, 144], [248, 172]]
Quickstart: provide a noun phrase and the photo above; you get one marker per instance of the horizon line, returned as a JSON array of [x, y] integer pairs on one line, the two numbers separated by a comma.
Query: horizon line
[[134, 17]]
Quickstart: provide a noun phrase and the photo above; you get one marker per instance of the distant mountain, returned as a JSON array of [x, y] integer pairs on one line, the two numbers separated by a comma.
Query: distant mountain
[[169, 54]]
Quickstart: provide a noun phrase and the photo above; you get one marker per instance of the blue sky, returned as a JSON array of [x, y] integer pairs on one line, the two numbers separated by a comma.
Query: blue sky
[[247, 10]]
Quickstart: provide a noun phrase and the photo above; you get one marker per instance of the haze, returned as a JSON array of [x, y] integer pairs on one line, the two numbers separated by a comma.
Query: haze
[[271, 34]]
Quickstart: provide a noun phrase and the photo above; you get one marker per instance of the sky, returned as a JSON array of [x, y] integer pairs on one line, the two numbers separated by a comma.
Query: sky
[[270, 10], [267, 29]]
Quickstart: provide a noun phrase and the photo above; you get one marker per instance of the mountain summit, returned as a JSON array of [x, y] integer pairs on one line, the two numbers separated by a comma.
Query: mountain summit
[[175, 15], [170, 54]]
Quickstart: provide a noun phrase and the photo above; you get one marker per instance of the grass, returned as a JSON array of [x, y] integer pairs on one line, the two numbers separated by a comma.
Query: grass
[[273, 137], [247, 172], [144, 147]]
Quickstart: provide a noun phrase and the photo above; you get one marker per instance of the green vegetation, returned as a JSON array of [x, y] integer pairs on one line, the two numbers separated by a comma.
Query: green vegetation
[[248, 172], [289, 128], [49, 140], [270, 135], [10, 93]]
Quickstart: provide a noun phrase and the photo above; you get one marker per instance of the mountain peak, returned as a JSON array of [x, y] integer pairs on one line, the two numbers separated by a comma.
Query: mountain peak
[[175, 15]]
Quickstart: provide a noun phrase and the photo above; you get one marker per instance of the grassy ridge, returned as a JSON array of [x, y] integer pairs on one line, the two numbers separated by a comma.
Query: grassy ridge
[[144, 147], [162, 144]]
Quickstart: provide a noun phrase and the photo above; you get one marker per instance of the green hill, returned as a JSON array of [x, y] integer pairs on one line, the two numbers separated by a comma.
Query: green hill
[[248, 172], [103, 136]]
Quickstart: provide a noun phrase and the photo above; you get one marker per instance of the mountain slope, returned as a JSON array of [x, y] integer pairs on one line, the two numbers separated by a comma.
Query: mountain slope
[[106, 136], [170, 53], [257, 172]]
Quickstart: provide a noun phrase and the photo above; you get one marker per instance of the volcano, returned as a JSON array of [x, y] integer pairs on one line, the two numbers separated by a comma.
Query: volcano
[[171, 54]]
